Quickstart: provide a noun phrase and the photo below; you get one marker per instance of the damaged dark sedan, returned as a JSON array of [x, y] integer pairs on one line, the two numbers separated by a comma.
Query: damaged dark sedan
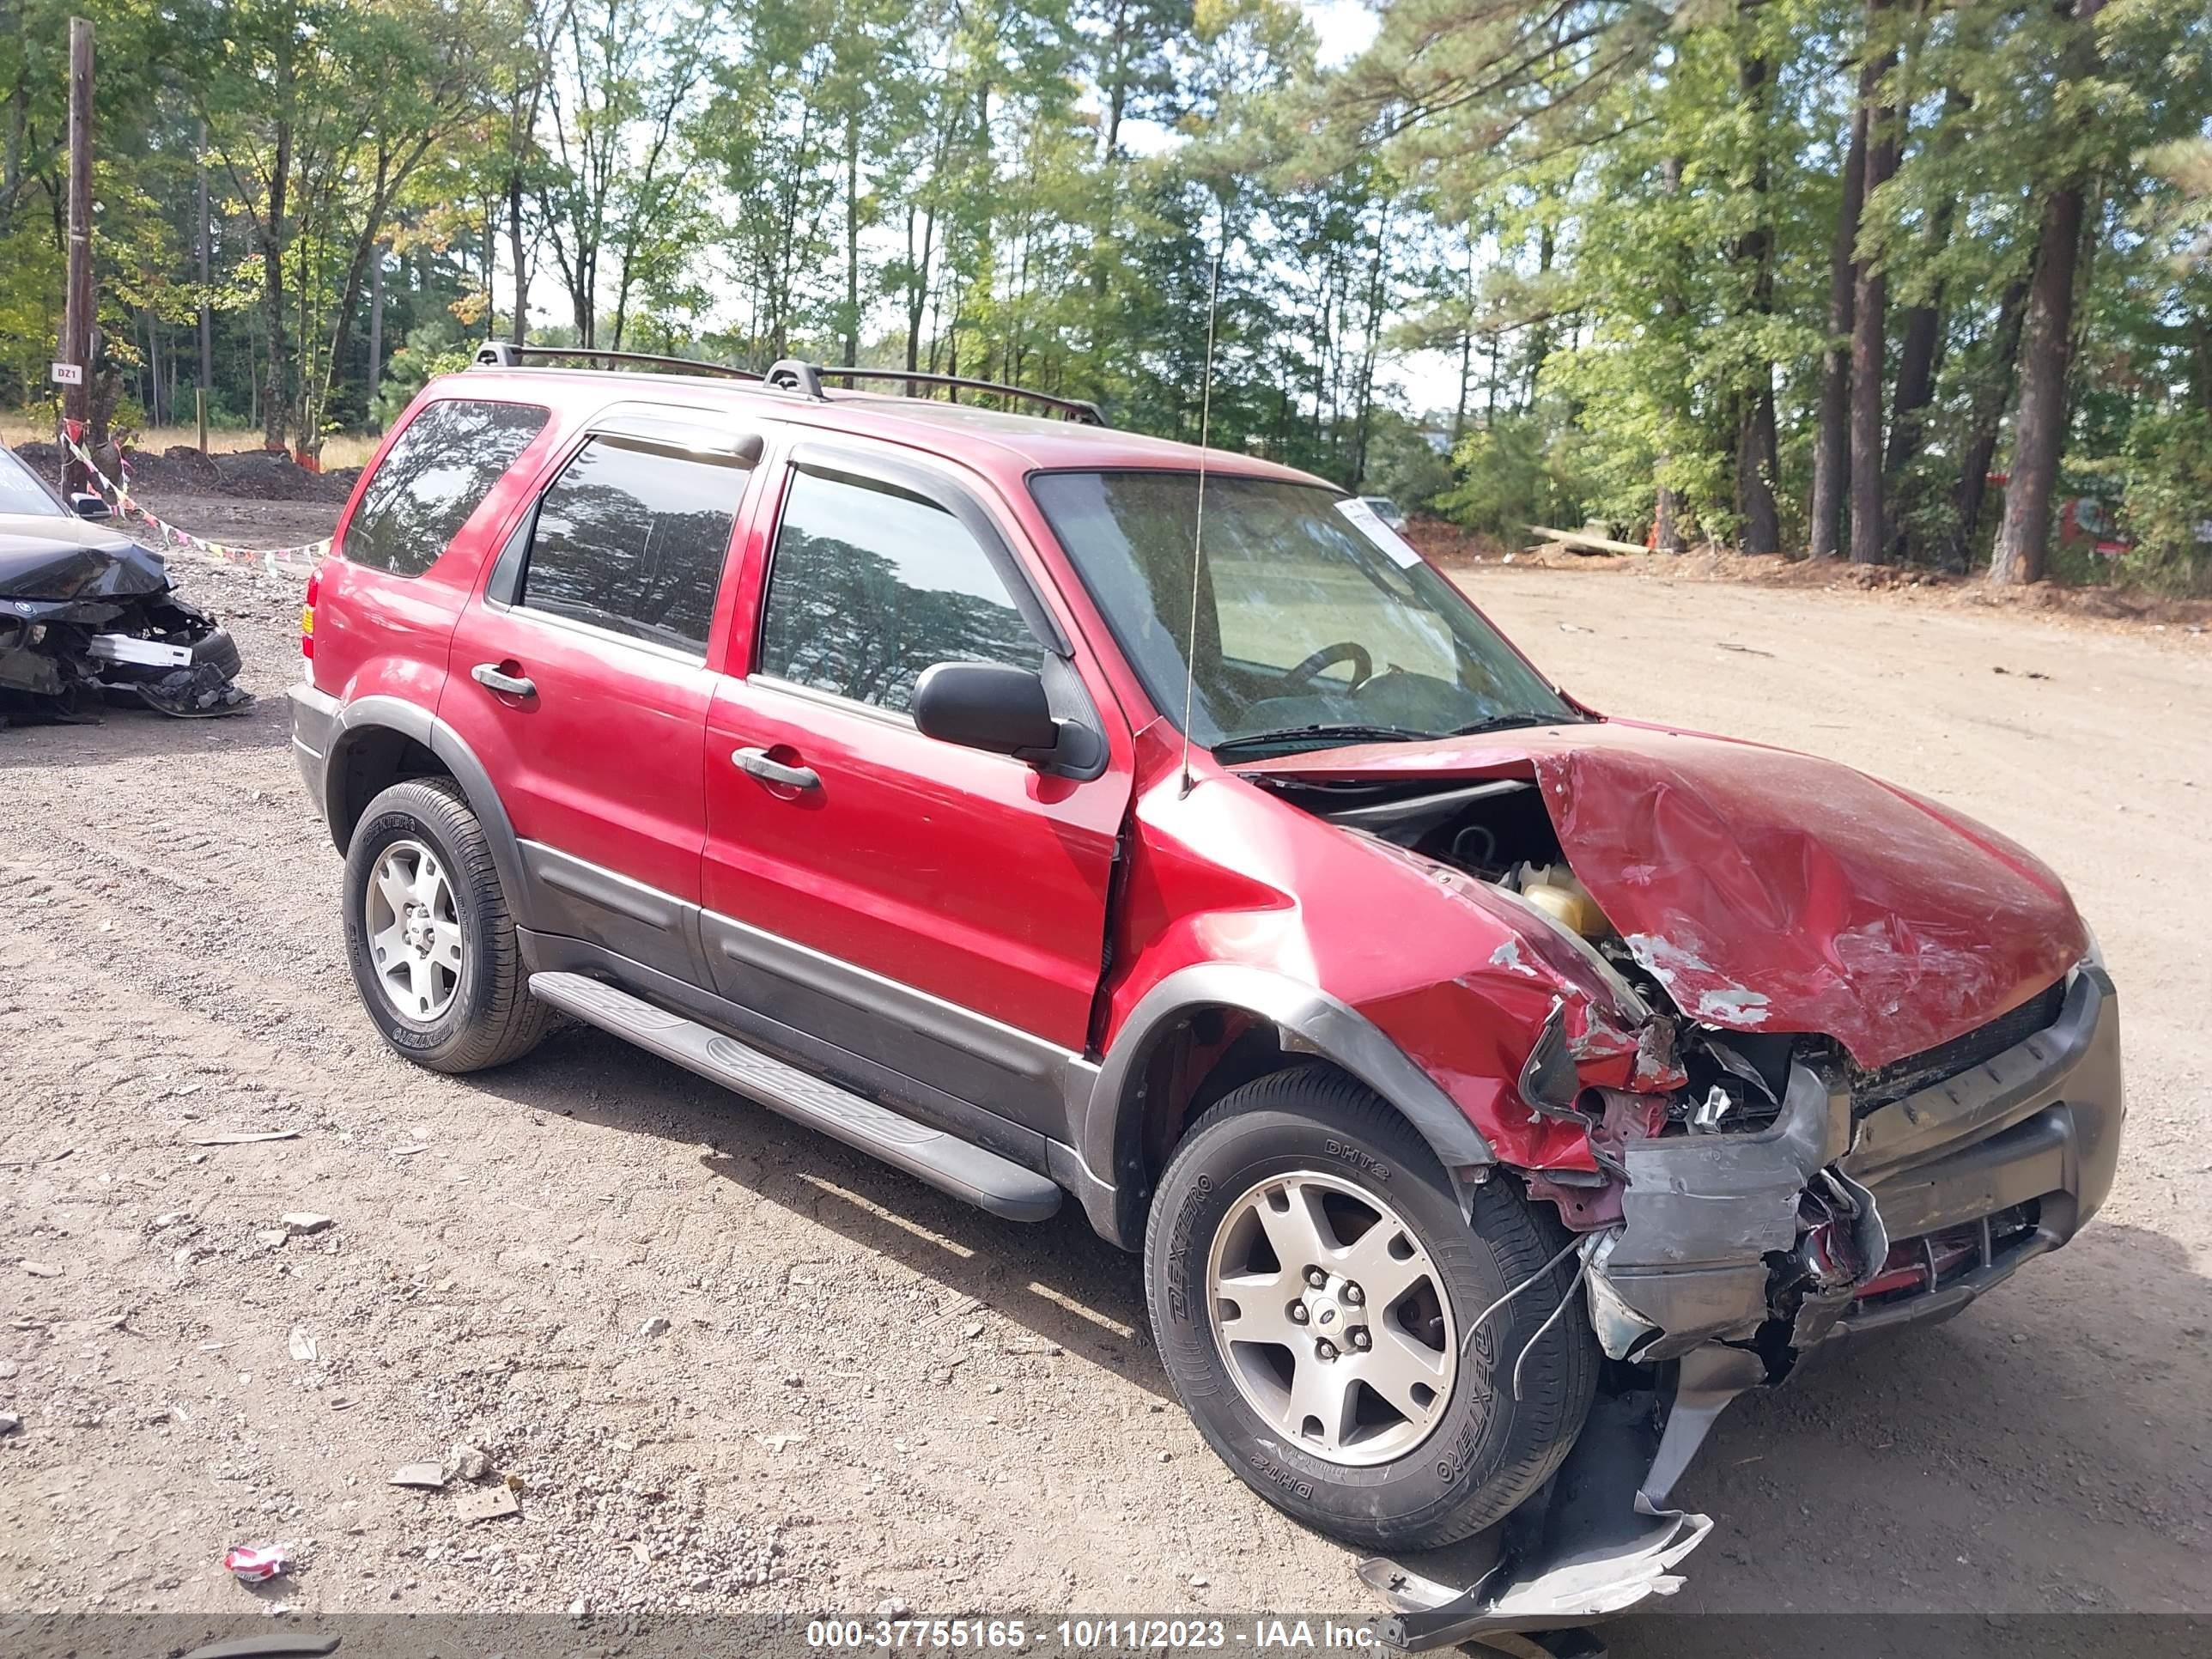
[[87, 614]]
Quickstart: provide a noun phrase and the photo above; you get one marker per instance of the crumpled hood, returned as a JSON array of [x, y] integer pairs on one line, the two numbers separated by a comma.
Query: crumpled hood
[[1772, 891], [68, 559]]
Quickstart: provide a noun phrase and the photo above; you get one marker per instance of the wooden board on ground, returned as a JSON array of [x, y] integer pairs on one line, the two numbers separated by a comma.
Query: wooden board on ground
[[1580, 543]]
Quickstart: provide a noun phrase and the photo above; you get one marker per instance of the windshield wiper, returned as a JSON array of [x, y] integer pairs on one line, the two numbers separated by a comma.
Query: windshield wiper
[[1347, 732], [1507, 722]]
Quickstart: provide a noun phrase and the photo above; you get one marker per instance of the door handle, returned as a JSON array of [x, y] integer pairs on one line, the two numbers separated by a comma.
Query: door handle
[[757, 762], [489, 674]]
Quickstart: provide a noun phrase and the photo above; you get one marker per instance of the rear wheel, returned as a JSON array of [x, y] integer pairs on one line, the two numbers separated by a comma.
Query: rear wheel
[[1312, 1280], [432, 947]]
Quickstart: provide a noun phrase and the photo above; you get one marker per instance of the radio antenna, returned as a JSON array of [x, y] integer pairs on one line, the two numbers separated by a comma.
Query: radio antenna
[[1198, 533]]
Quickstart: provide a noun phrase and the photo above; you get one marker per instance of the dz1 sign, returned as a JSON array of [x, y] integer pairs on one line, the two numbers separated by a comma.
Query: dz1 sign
[[66, 373]]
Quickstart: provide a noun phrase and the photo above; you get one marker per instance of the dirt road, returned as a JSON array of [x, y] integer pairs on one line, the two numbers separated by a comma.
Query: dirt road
[[864, 1391]]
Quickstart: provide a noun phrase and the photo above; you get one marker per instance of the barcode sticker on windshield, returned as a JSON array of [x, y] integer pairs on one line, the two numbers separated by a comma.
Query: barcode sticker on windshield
[[1400, 550]]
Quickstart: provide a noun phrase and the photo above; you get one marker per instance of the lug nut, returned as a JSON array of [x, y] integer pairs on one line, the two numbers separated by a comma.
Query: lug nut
[[1298, 1313], [1354, 1295], [1316, 1278], [1361, 1340], [1327, 1350]]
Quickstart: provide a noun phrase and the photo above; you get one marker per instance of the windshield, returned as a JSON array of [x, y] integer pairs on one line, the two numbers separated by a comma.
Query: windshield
[[22, 491], [1315, 624]]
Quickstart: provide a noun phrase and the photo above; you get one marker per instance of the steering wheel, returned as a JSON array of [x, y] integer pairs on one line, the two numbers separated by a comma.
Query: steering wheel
[[1326, 658]]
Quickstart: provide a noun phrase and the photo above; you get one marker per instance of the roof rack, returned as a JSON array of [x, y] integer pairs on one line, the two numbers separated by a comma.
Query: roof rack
[[1076, 409], [502, 354], [790, 375]]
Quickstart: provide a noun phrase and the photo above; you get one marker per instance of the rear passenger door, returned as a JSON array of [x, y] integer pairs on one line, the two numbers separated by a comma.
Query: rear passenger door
[[579, 679]]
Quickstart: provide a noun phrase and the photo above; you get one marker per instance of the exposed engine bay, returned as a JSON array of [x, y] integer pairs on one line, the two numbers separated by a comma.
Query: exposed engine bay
[[1711, 1080], [87, 615]]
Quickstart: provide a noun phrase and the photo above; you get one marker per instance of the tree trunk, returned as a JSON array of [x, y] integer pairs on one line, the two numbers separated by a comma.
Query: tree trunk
[[1869, 327], [1832, 455], [1981, 444], [2023, 542], [375, 332], [517, 327], [1666, 519], [1756, 440], [2038, 438], [852, 237], [274, 402]]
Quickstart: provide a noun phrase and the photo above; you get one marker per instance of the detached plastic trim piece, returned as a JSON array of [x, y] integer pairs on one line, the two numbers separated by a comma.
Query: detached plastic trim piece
[[946, 1163]]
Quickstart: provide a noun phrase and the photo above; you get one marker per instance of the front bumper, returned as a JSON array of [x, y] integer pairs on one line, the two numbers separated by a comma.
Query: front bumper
[[1997, 1165], [1956, 1186]]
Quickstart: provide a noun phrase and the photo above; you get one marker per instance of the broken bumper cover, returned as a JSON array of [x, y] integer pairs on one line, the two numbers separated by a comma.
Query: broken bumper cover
[[2012, 1156], [314, 728], [1956, 1185]]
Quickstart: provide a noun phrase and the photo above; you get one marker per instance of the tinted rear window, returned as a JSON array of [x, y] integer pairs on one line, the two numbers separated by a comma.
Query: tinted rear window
[[436, 474], [631, 538]]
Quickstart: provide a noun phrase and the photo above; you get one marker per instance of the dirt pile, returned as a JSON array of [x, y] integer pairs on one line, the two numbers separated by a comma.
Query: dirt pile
[[261, 475]]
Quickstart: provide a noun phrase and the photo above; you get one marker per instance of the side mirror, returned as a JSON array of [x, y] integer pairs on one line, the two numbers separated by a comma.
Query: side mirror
[[86, 505], [988, 706]]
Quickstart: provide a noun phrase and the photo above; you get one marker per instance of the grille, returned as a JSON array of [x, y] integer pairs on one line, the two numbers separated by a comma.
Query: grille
[[1872, 1091]]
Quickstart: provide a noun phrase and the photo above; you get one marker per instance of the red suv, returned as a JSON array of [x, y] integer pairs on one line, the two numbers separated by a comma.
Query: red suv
[[947, 781]]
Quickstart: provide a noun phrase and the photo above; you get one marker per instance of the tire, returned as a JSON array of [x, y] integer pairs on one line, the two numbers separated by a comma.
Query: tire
[[1311, 1130], [219, 651], [489, 1016]]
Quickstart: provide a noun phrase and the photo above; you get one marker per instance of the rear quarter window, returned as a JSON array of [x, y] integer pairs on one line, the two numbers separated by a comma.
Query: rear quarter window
[[436, 473]]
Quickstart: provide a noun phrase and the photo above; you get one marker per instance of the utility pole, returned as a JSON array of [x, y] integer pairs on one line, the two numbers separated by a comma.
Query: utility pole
[[207, 317], [79, 315]]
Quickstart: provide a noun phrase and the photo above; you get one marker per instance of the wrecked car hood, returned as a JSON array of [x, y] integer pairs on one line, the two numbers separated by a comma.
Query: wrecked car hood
[[69, 559], [1769, 891]]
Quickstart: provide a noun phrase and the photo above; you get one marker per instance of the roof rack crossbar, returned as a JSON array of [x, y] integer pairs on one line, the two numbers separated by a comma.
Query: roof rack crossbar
[[1078, 409], [502, 354], [788, 374]]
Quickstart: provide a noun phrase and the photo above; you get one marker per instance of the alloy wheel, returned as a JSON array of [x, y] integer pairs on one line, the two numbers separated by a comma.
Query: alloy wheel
[[414, 930], [1335, 1324]]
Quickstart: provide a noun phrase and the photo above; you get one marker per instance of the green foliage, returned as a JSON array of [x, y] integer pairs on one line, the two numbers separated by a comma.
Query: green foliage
[[2167, 484], [432, 348], [1512, 474]]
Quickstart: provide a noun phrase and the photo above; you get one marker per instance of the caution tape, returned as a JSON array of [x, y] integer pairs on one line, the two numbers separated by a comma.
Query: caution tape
[[282, 561]]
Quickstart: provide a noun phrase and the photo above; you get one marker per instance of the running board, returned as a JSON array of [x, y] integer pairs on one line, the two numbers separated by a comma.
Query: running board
[[951, 1166]]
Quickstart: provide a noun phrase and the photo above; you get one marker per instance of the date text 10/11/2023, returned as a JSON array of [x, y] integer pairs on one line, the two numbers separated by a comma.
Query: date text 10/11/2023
[[1257, 1635]]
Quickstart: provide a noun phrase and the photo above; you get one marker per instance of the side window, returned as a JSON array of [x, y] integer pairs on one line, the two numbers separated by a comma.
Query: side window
[[632, 538], [870, 584], [437, 472]]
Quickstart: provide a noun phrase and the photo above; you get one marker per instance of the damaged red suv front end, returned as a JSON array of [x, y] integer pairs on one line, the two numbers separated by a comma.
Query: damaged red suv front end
[[1798, 1054]]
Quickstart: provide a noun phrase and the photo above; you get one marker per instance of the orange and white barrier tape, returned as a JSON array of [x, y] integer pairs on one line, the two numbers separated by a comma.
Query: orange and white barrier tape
[[282, 561]]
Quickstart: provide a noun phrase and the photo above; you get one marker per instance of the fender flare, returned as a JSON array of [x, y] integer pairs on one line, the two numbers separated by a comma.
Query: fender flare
[[379, 711], [1311, 1022]]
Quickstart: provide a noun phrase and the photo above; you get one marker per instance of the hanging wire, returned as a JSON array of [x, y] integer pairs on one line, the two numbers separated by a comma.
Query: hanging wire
[[1581, 1267], [1480, 1319]]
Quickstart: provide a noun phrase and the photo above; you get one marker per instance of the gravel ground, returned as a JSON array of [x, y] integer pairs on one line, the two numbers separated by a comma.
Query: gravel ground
[[728, 1365]]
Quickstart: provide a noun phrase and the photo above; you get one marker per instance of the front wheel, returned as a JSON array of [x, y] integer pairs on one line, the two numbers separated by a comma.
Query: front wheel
[[1312, 1281]]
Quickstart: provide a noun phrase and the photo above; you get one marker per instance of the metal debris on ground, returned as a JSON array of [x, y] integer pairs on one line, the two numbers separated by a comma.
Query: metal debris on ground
[[242, 1140], [42, 1270], [430, 1475], [256, 1564], [302, 1343], [298, 1222]]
